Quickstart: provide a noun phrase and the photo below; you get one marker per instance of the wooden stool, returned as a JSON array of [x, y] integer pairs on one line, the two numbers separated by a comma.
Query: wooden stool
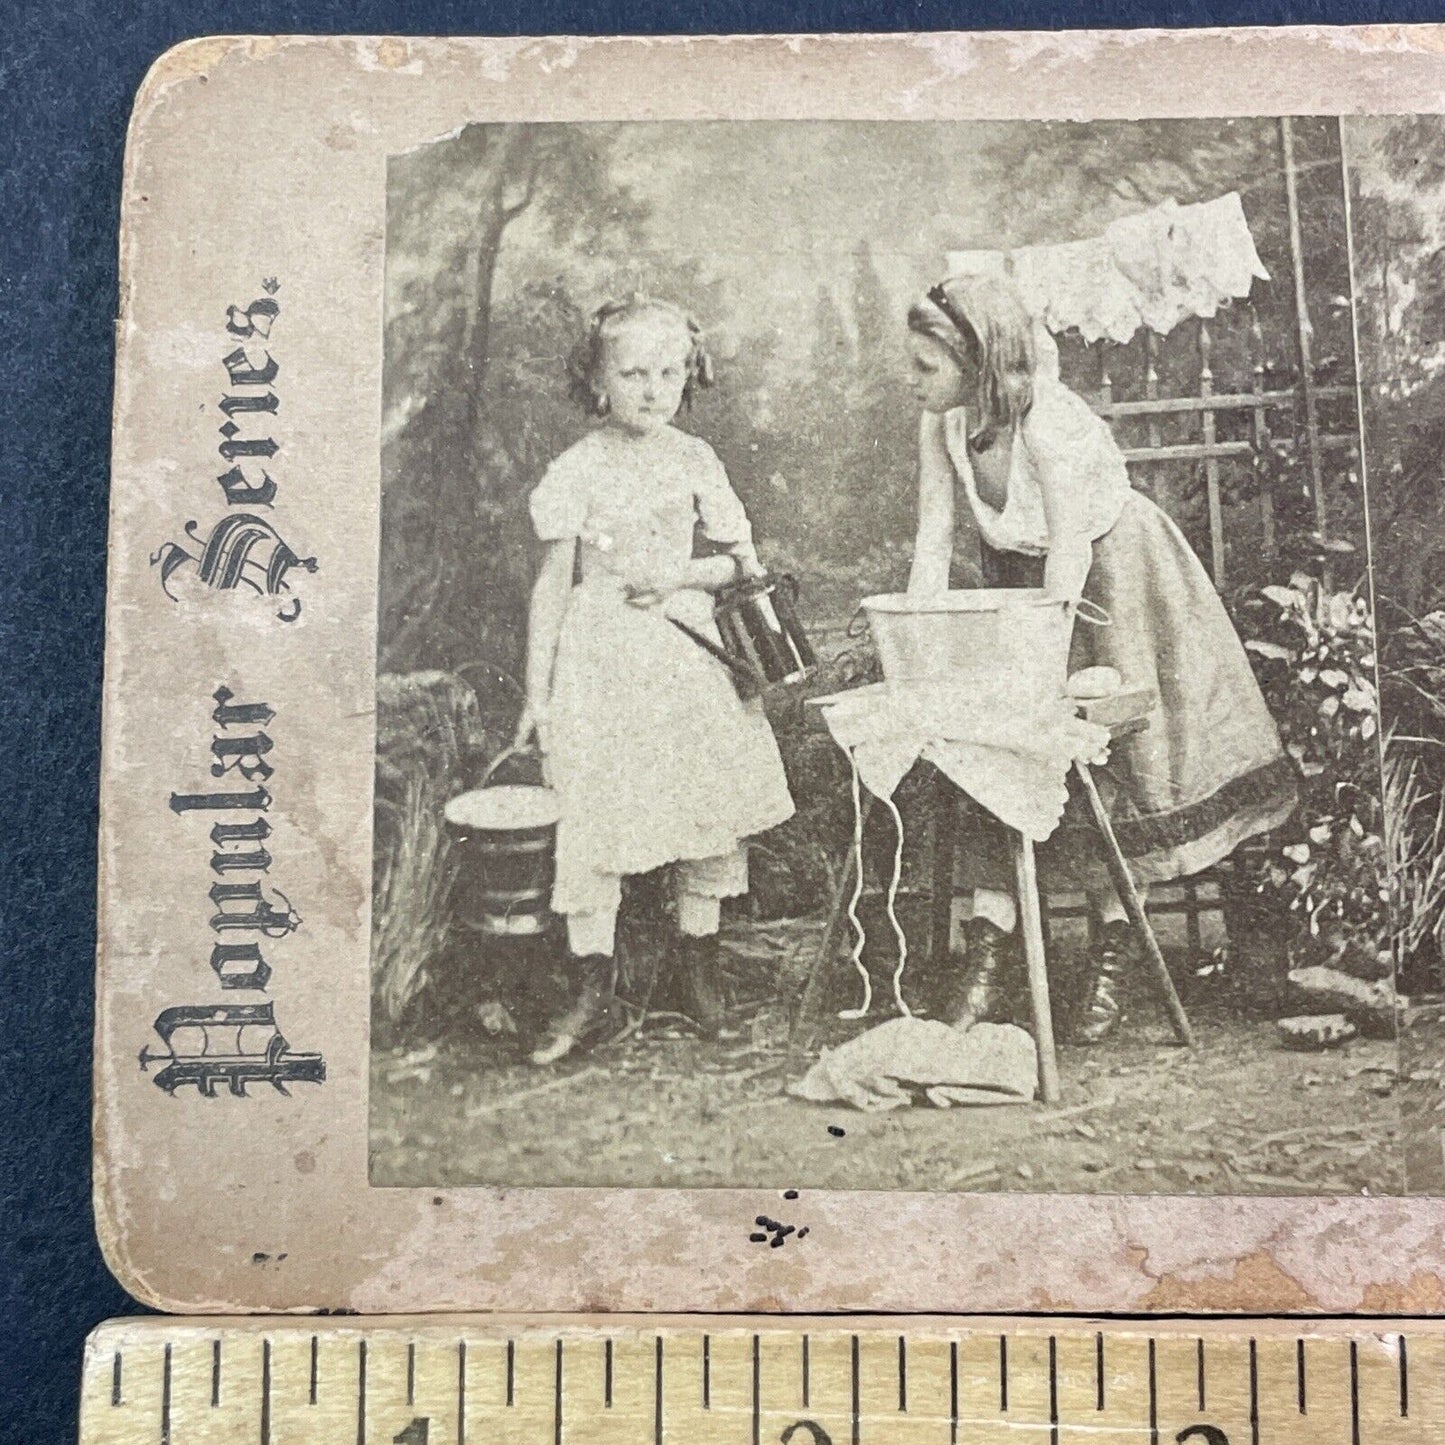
[[1123, 714]]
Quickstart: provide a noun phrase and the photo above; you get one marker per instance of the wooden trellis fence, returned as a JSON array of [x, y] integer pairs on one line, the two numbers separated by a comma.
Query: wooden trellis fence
[[1168, 439]]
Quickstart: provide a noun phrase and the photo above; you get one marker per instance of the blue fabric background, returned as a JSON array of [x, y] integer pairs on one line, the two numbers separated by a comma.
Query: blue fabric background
[[68, 71]]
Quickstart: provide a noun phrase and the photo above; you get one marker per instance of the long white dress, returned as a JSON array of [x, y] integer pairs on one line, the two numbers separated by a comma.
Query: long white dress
[[655, 757]]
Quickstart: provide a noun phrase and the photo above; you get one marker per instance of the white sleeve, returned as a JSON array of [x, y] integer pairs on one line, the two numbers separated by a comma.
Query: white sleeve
[[720, 510]]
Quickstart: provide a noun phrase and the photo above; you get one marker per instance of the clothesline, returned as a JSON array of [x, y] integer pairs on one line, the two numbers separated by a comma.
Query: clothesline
[[1153, 268]]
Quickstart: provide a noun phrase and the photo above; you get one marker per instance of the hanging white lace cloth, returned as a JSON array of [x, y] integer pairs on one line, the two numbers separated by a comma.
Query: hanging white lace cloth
[[1154, 269], [1009, 753]]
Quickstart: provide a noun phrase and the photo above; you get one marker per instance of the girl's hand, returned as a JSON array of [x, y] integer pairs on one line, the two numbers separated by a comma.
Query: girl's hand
[[646, 586], [746, 562], [529, 724]]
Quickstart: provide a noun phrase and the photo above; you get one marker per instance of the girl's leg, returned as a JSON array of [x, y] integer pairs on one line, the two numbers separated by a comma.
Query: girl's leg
[[984, 989], [998, 907], [979, 981], [1107, 906], [591, 935], [698, 914], [1112, 947], [702, 884]]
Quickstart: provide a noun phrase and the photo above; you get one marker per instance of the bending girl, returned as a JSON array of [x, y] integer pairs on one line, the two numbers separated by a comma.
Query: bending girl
[[1016, 464]]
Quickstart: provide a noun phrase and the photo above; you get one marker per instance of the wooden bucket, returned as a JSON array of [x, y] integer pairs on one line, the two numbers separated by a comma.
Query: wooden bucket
[[506, 840]]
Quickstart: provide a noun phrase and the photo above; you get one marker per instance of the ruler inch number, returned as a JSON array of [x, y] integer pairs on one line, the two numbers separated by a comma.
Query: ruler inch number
[[633, 1380]]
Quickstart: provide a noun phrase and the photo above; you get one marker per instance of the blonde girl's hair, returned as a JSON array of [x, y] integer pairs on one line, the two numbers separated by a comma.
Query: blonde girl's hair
[[585, 364], [982, 322]]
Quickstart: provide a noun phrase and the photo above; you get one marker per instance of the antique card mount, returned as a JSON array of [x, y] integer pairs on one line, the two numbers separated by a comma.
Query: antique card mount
[[257, 297]]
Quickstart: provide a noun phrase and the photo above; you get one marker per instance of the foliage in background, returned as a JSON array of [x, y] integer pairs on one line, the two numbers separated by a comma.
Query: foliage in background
[[1398, 206], [429, 733], [1415, 838], [410, 896], [1314, 655]]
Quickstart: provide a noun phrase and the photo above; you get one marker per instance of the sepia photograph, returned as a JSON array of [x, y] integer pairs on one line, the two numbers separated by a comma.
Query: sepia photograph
[[723, 632], [877, 677]]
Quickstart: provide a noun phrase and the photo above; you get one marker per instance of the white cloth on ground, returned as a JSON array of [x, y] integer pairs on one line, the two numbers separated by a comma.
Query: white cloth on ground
[[987, 1064]]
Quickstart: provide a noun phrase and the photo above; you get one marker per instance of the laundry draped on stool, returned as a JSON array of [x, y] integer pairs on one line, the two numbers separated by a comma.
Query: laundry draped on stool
[[1009, 753], [1008, 749]]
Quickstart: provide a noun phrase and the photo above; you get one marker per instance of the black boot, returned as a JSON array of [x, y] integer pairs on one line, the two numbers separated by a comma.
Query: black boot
[[587, 1016], [1097, 1011], [696, 982], [985, 988]]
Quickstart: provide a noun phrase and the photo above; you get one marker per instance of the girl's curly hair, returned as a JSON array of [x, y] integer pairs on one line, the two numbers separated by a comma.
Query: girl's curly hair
[[584, 367]]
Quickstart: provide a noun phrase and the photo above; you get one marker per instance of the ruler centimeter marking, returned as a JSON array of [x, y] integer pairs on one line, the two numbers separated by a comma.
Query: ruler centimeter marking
[[1354, 1392], [630, 1381], [1153, 1394], [856, 1404], [461, 1392], [166, 1398], [757, 1390], [1053, 1391], [953, 1392]]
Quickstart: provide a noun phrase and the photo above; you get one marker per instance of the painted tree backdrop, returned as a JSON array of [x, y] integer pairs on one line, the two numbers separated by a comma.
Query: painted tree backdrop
[[799, 248]]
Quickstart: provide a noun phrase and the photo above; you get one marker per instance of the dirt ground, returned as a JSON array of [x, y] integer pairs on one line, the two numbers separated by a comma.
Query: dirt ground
[[1237, 1115]]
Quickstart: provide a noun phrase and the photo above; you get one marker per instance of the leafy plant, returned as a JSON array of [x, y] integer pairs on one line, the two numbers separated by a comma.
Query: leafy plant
[[1314, 655], [1415, 837], [410, 914]]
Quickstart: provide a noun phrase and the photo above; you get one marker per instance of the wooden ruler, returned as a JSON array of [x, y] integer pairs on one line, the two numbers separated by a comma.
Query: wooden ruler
[[765, 1380]]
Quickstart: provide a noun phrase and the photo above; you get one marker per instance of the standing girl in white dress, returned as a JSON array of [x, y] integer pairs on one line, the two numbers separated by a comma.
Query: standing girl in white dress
[[1015, 463], [655, 758]]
